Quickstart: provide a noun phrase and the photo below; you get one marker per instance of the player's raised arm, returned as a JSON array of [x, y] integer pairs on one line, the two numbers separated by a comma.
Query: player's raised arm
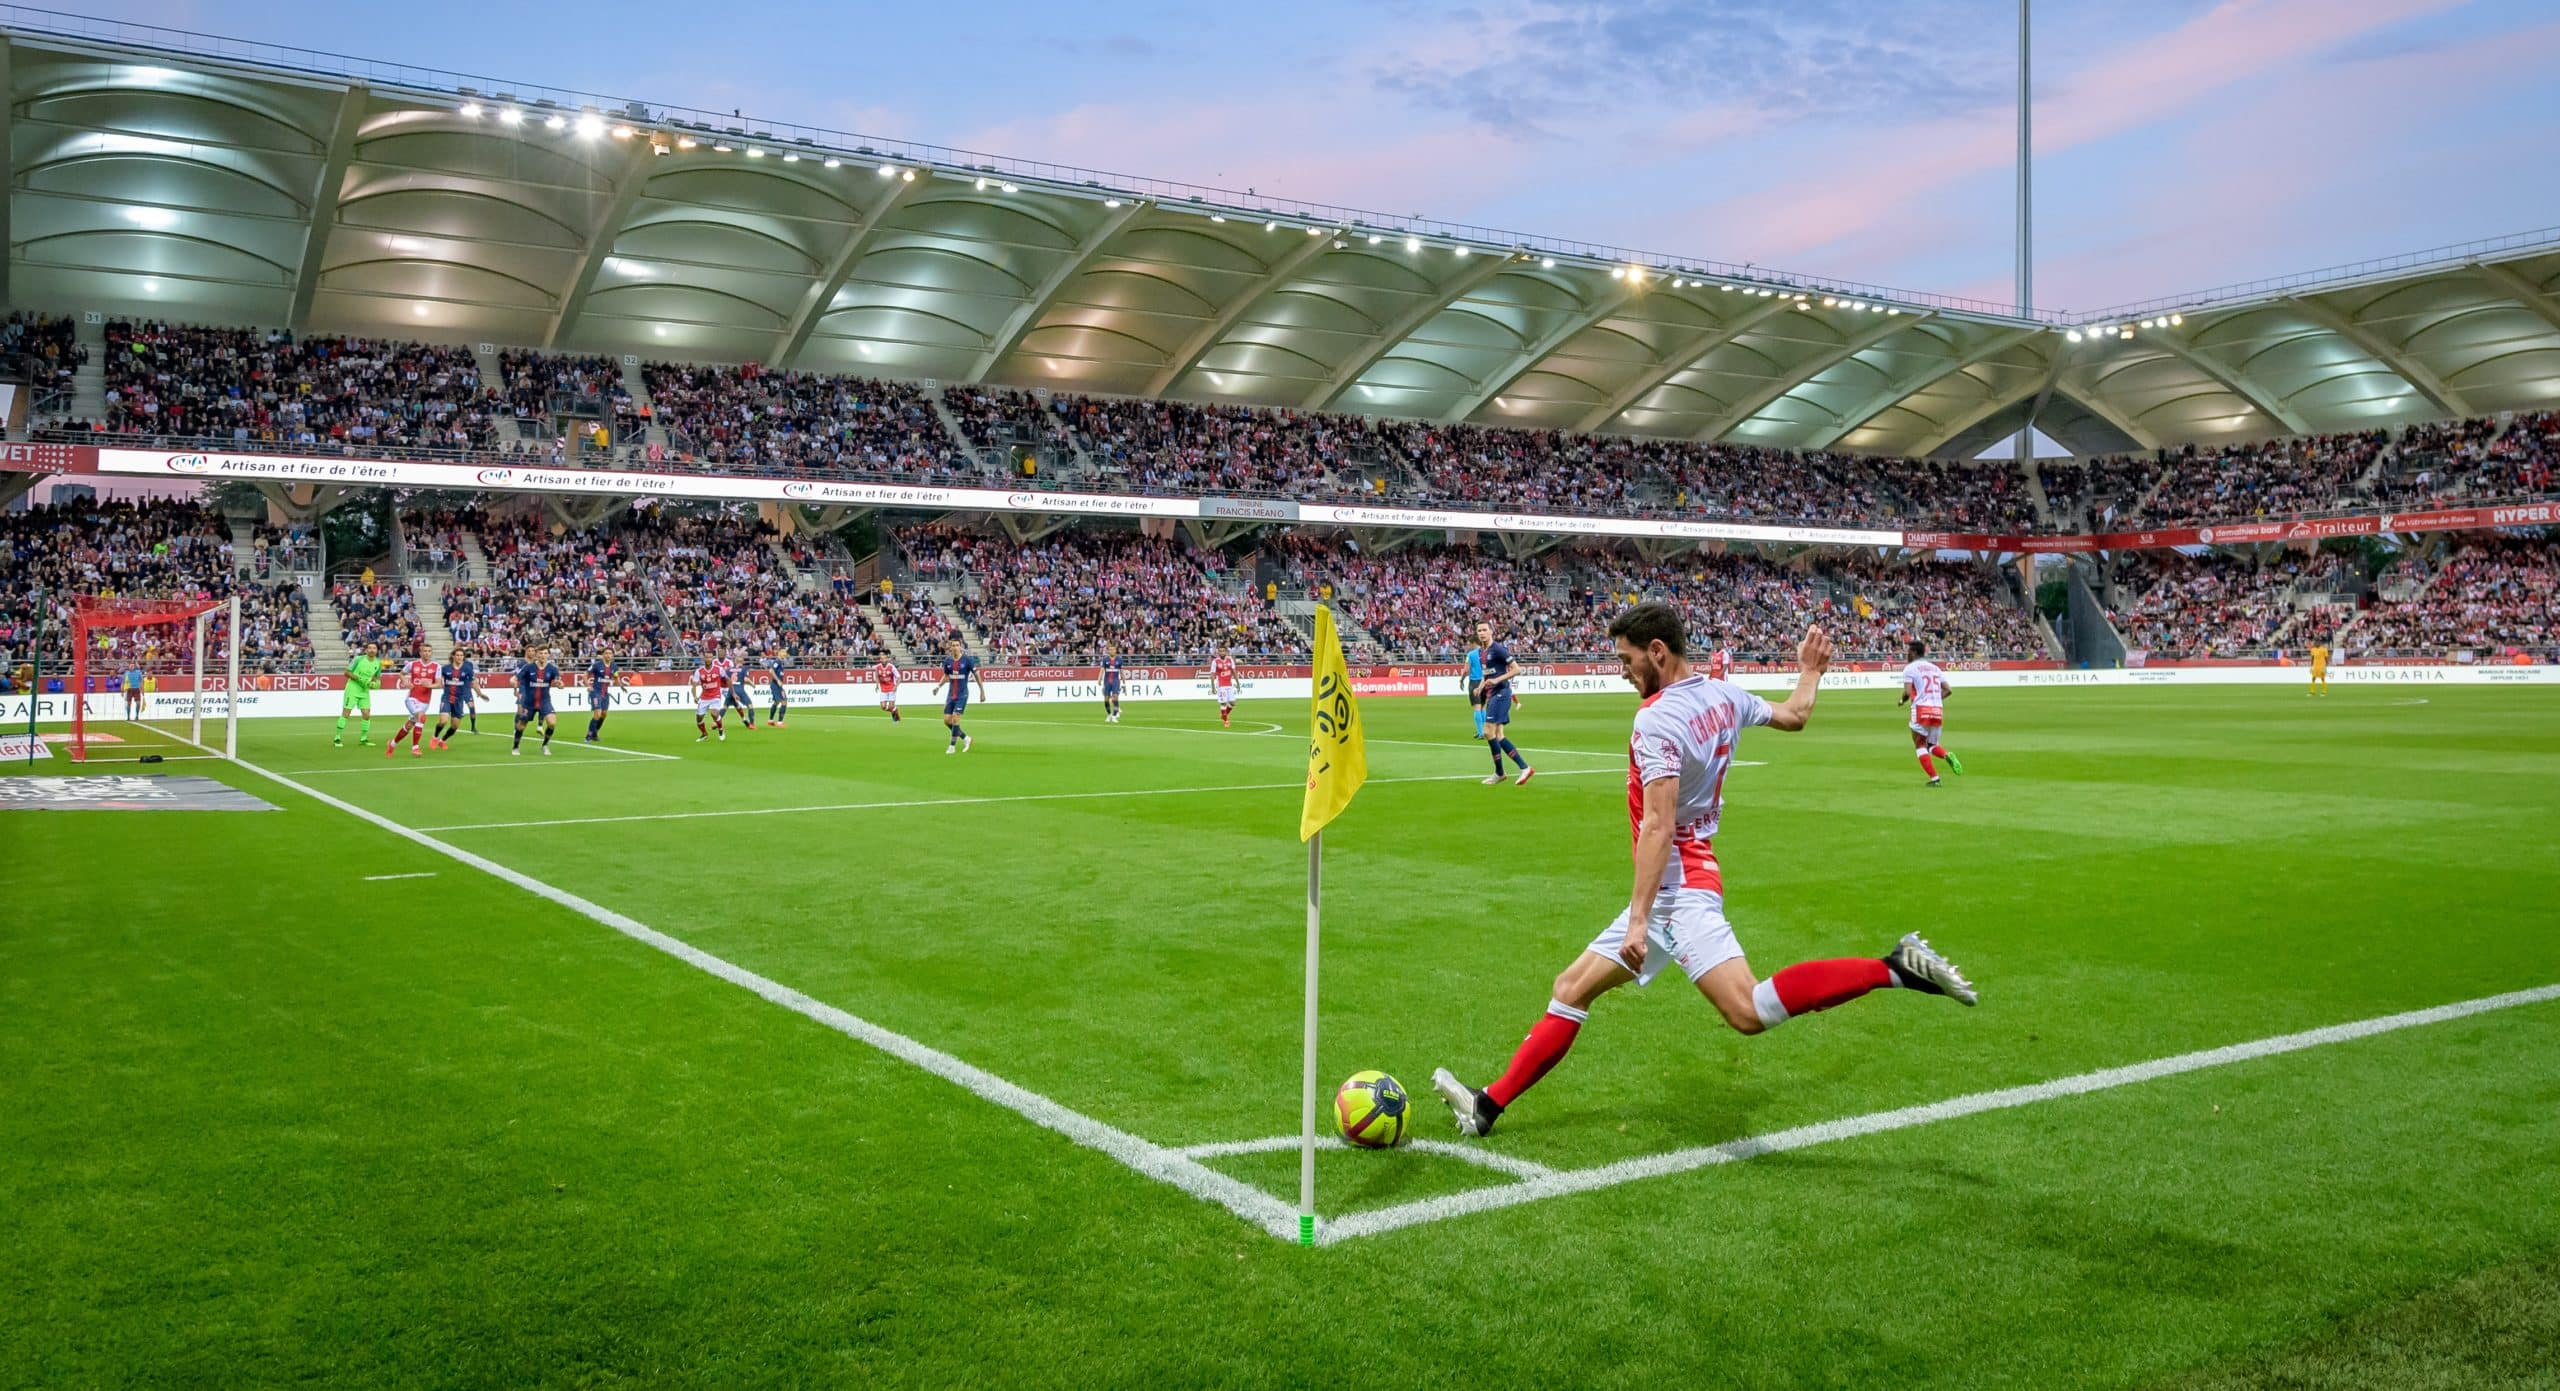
[[1813, 658]]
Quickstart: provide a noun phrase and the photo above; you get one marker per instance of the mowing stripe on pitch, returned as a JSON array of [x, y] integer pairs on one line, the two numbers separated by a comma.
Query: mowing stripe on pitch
[[971, 801], [1560, 1184], [1146, 1157], [581, 745]]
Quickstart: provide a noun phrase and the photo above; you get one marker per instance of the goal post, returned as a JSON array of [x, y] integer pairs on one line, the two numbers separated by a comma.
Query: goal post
[[158, 639]]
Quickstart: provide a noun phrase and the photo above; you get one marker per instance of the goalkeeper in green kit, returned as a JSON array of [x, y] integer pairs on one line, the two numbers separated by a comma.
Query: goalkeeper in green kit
[[363, 670]]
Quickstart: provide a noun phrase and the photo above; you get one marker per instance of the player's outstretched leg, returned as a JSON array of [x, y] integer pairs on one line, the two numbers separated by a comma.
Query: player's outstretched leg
[[516, 749], [1954, 764], [701, 729], [1811, 986], [550, 726]]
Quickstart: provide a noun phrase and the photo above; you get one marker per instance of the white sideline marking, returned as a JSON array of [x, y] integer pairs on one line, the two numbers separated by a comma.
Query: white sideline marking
[[971, 801], [1469, 1154], [378, 878], [1681, 1161], [1153, 1160]]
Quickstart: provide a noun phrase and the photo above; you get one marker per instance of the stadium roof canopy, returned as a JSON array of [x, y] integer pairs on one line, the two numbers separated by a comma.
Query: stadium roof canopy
[[158, 172]]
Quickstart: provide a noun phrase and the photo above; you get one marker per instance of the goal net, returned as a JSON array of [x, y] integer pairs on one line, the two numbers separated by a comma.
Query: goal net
[[152, 667]]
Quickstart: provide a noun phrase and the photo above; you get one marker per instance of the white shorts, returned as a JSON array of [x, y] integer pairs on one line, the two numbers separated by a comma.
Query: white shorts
[[1928, 725], [703, 707], [889, 700], [1226, 695], [417, 707], [1688, 926]]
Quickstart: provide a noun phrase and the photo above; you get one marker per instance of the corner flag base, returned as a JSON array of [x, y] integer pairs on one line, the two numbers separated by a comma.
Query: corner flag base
[[1306, 1229]]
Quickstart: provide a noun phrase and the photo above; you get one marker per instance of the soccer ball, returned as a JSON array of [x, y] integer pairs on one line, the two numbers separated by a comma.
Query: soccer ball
[[1369, 1110]]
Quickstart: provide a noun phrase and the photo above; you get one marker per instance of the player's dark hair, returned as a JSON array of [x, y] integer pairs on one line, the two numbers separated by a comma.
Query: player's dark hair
[[1650, 622], [1919, 649]]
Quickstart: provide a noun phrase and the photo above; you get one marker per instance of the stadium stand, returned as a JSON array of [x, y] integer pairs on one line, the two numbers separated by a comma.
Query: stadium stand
[[56, 552], [2486, 598], [350, 394], [756, 419], [1071, 593], [45, 349]]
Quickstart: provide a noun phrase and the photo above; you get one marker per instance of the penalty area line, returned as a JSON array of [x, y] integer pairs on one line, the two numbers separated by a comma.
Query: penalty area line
[[1144, 1157], [1563, 1183]]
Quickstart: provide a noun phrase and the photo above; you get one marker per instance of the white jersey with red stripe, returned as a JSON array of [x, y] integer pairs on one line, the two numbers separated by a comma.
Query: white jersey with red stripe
[[1926, 684], [1687, 730]]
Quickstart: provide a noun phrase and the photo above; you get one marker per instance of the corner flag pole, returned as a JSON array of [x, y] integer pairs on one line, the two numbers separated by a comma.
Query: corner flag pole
[[1337, 763], [1307, 1111]]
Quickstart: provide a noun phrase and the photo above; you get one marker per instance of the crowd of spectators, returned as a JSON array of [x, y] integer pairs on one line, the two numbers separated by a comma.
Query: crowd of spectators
[[1963, 611], [577, 593], [994, 417], [47, 349], [270, 387], [1072, 593], [538, 388], [2181, 606], [1171, 446], [753, 417], [2478, 460], [724, 584], [1423, 602], [2485, 599], [378, 611], [56, 552]]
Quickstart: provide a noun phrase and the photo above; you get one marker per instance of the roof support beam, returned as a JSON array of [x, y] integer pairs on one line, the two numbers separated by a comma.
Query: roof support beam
[[1652, 378], [1820, 363], [1608, 302], [1393, 336], [2521, 290], [2268, 403], [2040, 389], [1903, 389], [1273, 279], [1028, 315], [628, 182], [839, 269], [324, 203], [8, 160], [2417, 374]]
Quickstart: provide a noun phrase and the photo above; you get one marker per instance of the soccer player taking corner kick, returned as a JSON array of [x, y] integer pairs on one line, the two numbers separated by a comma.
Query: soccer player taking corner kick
[[1682, 746]]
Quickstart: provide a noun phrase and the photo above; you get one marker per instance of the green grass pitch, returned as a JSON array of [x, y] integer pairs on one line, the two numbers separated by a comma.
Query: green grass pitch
[[271, 1120]]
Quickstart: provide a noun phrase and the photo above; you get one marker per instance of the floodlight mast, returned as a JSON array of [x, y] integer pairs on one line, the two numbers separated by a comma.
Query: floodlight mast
[[2026, 219]]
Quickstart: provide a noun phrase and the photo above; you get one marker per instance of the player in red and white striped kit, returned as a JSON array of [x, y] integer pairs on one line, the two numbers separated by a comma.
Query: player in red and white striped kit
[[710, 681], [884, 674], [1924, 689], [1222, 679], [421, 673], [1677, 759], [1720, 664]]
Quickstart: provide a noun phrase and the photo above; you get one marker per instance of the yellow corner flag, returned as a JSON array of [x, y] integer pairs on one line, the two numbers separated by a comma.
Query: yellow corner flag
[[1337, 757]]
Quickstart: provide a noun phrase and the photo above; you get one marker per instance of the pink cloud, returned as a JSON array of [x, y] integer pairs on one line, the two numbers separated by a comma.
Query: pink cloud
[[1877, 183]]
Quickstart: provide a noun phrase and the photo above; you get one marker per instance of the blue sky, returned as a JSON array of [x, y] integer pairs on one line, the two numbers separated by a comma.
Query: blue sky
[[2182, 144]]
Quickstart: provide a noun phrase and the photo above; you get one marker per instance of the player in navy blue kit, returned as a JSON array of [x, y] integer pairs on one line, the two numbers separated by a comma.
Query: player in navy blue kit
[[461, 677], [535, 677], [1498, 697], [603, 678], [1110, 686], [957, 668], [737, 670], [777, 693]]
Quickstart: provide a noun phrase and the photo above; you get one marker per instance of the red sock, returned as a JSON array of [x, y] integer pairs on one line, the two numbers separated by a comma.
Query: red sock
[[1548, 1041], [1808, 986], [1927, 767], [1939, 749]]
